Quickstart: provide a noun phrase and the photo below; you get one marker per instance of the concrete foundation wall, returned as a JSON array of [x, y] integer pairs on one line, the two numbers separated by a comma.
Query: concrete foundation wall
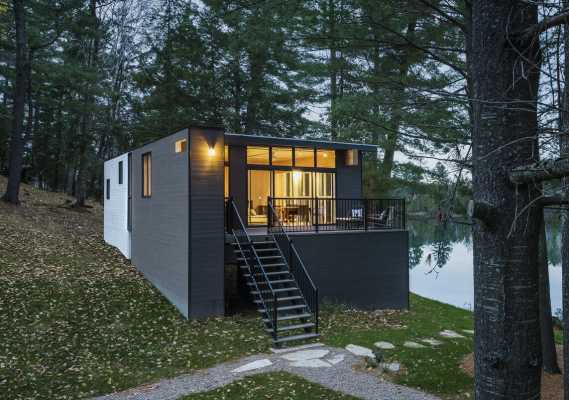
[[367, 270]]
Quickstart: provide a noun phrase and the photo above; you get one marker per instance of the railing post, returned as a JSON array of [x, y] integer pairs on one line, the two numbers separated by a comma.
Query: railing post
[[365, 213], [290, 255], [404, 214], [317, 214], [269, 215], [316, 312], [275, 320], [229, 215]]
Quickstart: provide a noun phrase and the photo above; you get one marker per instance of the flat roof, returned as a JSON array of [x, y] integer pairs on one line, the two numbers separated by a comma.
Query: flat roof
[[236, 139]]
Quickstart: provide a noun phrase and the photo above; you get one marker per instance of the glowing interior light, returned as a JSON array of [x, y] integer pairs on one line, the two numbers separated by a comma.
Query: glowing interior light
[[296, 175]]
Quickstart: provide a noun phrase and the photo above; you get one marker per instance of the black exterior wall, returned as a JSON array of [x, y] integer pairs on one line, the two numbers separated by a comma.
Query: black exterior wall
[[366, 270], [160, 222], [207, 236], [348, 178], [238, 178]]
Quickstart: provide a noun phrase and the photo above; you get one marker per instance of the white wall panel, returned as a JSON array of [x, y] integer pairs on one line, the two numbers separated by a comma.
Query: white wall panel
[[116, 205]]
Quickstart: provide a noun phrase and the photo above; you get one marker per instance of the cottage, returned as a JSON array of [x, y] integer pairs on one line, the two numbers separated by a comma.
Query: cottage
[[288, 213]]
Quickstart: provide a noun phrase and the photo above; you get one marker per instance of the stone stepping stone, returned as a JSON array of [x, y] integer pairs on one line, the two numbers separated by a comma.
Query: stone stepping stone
[[336, 359], [360, 351], [432, 342], [384, 345], [253, 366], [304, 355], [391, 367], [296, 348], [311, 363], [447, 333], [414, 345], [468, 331]]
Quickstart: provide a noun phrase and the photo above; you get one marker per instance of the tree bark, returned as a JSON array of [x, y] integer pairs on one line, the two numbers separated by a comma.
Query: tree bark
[[333, 69], [506, 302], [16, 141], [541, 171], [548, 350], [564, 153], [87, 117]]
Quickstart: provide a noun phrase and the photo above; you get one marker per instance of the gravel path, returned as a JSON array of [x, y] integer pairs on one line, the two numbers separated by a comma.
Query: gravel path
[[340, 377]]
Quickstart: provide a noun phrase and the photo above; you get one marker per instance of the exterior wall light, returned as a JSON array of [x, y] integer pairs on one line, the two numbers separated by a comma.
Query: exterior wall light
[[211, 151]]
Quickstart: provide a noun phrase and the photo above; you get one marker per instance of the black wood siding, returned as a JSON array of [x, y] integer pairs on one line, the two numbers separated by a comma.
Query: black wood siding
[[160, 222], [206, 244]]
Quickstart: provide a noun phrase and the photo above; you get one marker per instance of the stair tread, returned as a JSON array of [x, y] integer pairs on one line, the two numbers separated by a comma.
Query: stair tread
[[285, 328], [257, 250], [254, 292], [289, 298], [245, 266], [260, 257], [285, 308], [267, 273], [289, 317], [296, 337], [272, 282]]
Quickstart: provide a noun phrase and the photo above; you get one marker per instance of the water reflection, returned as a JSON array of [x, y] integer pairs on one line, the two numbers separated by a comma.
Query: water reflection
[[440, 259]]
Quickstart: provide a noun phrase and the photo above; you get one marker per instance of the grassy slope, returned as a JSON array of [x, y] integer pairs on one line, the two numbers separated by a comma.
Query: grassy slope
[[275, 386], [433, 369], [76, 319]]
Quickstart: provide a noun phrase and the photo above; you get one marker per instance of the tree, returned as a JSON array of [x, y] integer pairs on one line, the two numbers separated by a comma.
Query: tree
[[505, 75], [21, 84]]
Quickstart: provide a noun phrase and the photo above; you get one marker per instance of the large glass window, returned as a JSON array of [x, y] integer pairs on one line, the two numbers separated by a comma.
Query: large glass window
[[259, 191], [257, 155], [303, 157], [282, 156], [325, 184], [325, 158], [293, 184]]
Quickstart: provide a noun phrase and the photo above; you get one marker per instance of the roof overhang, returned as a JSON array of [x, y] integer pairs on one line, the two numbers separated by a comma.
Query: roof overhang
[[257, 140]]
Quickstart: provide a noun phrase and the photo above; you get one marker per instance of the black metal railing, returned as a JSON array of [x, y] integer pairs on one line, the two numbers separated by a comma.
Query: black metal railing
[[313, 214], [296, 266], [259, 278]]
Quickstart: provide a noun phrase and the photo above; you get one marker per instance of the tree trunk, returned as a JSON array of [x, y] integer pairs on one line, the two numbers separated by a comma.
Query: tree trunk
[[506, 301], [87, 117], [257, 72], [16, 141], [564, 152], [548, 350], [333, 65]]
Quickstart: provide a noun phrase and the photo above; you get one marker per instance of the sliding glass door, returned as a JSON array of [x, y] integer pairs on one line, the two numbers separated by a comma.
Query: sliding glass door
[[259, 191]]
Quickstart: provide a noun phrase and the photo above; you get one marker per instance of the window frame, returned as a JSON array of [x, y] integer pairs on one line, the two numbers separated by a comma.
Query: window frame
[[183, 143], [121, 174], [146, 174]]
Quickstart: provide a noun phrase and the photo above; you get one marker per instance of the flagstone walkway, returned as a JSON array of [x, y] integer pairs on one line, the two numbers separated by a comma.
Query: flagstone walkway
[[330, 367]]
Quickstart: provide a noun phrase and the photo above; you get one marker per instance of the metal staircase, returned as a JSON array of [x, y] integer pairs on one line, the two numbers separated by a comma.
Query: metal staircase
[[280, 286]]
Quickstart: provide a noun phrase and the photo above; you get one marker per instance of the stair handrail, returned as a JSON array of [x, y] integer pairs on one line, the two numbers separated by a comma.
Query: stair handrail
[[232, 214], [301, 274]]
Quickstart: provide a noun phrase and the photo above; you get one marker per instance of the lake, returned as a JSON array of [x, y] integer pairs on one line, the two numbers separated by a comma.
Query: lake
[[440, 261]]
